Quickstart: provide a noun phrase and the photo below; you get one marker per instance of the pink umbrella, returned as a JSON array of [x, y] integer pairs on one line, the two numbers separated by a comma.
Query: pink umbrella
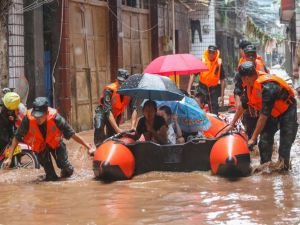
[[178, 64]]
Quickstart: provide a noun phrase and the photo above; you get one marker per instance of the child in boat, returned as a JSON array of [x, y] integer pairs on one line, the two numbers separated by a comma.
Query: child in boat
[[200, 99], [174, 130]]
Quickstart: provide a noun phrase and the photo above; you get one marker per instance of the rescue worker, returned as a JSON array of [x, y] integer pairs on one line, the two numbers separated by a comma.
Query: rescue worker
[[11, 115], [211, 80], [247, 54], [251, 115], [112, 105], [238, 88], [251, 55], [13, 105], [274, 98], [9, 103], [242, 45], [43, 130]]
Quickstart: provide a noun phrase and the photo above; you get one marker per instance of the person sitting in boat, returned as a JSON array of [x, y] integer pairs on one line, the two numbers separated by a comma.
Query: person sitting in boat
[[200, 99], [174, 130], [152, 126]]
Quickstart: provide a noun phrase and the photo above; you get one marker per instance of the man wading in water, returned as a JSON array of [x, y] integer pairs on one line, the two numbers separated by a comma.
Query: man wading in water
[[43, 130], [275, 101]]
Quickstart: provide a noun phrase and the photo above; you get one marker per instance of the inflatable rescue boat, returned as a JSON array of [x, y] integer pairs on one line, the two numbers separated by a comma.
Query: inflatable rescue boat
[[121, 157]]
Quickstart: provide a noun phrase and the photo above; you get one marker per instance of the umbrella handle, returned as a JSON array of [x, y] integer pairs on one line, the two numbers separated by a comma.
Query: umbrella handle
[[176, 108]]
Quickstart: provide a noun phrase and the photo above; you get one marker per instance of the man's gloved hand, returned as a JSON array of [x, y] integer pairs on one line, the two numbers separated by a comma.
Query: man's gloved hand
[[251, 144]]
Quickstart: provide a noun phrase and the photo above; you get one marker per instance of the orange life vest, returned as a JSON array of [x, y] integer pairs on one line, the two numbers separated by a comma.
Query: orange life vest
[[118, 106], [211, 77], [241, 61], [34, 137], [255, 94], [259, 63]]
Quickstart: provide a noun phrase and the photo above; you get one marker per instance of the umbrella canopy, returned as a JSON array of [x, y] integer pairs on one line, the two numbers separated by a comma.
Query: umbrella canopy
[[150, 86], [191, 118], [178, 64]]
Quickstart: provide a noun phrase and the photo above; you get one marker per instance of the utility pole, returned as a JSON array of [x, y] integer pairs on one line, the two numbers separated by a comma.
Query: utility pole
[[173, 31]]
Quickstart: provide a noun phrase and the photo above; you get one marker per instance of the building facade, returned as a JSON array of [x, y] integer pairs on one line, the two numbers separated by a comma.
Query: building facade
[[290, 15], [72, 48]]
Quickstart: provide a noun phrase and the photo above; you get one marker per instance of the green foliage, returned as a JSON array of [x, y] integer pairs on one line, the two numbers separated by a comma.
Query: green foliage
[[256, 32]]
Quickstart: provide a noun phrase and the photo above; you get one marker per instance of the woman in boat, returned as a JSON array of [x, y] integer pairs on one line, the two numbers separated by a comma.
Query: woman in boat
[[152, 126]]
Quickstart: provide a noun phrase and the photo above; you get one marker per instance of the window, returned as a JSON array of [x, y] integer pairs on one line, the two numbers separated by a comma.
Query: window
[[142, 4]]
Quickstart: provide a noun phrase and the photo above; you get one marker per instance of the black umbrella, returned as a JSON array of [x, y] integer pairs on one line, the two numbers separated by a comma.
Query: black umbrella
[[150, 86]]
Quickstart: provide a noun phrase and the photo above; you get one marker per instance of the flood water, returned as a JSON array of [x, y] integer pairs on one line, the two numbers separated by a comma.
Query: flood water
[[152, 198]]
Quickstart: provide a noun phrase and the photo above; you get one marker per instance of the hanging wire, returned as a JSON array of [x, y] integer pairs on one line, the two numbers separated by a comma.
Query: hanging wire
[[128, 26], [34, 5], [218, 5], [39, 3]]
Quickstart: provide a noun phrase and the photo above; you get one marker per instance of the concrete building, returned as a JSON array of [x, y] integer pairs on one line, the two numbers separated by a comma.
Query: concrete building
[[290, 16], [12, 47], [230, 29]]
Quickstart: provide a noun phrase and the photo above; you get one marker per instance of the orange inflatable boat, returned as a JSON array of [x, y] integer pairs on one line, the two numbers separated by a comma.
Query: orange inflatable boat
[[121, 157]]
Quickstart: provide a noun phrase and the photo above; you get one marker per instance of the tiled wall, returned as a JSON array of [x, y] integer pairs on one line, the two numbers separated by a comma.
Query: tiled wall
[[297, 12], [206, 15]]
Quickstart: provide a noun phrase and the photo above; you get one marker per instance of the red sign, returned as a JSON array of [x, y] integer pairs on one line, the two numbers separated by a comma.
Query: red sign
[[287, 5]]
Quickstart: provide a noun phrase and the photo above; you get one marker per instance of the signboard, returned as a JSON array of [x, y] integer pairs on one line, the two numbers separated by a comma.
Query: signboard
[[287, 5]]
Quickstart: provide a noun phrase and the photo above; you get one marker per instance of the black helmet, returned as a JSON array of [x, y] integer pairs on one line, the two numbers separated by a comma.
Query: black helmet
[[122, 74], [247, 69], [250, 49], [212, 48], [244, 43], [40, 106]]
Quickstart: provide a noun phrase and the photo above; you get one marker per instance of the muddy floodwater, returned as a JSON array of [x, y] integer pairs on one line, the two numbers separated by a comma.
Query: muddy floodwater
[[153, 198]]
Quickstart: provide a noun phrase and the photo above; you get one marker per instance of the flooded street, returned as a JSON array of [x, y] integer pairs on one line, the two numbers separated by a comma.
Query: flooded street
[[95, 60], [152, 198]]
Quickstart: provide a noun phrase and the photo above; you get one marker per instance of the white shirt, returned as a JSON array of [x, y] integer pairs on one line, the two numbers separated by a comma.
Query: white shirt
[[171, 134]]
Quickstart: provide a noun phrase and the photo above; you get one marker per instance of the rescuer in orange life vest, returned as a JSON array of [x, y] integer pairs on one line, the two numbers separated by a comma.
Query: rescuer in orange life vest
[[209, 80], [112, 105], [247, 53], [43, 130], [275, 101], [251, 115], [238, 88], [242, 45]]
